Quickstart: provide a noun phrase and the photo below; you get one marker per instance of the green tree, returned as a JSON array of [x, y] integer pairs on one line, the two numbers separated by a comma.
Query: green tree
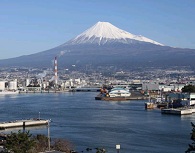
[[191, 147], [20, 142], [188, 88]]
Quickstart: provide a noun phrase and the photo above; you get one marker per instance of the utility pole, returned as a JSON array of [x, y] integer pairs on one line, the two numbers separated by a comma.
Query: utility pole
[[48, 136], [39, 116]]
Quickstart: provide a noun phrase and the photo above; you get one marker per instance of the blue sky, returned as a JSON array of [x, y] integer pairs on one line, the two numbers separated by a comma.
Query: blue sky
[[31, 26]]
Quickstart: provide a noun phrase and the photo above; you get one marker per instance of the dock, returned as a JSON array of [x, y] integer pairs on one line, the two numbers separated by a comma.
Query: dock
[[44, 91], [119, 98], [179, 111], [23, 123], [134, 96]]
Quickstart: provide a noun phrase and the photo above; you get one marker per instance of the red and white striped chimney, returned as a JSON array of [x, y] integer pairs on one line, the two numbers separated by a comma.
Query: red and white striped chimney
[[56, 71]]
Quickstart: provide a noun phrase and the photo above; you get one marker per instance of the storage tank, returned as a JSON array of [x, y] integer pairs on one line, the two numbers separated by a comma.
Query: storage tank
[[2, 85], [44, 85], [12, 85], [27, 82]]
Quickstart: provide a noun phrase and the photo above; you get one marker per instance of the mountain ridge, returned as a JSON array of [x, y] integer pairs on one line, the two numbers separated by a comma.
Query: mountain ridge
[[121, 53]]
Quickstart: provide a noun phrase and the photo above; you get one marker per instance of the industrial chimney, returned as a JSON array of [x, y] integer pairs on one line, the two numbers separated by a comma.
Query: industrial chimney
[[56, 71]]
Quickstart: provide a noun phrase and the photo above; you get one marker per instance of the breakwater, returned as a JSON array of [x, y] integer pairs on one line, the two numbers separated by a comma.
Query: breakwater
[[23, 123]]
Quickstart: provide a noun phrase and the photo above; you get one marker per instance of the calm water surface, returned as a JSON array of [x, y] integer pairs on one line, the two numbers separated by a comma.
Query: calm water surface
[[78, 117]]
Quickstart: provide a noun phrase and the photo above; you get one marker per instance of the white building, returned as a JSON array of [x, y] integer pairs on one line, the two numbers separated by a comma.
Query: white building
[[190, 100], [119, 92], [154, 86], [186, 99]]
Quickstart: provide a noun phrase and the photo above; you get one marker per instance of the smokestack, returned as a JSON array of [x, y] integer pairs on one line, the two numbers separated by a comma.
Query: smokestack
[[56, 71]]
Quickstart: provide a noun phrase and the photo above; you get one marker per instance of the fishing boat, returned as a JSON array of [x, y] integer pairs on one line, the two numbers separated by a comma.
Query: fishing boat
[[150, 105]]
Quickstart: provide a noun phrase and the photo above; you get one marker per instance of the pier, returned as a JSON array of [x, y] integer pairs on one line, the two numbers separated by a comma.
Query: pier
[[134, 96], [23, 123], [119, 98], [179, 111], [44, 91]]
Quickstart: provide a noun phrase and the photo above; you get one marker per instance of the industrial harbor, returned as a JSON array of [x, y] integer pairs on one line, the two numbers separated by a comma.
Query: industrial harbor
[[97, 76], [162, 86], [59, 93]]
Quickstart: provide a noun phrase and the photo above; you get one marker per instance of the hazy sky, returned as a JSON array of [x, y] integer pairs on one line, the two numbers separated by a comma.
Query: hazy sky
[[31, 26]]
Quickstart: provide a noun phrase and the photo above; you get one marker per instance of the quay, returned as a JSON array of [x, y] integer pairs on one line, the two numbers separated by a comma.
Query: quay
[[134, 96], [23, 123], [179, 111], [44, 91], [85, 89], [119, 98]]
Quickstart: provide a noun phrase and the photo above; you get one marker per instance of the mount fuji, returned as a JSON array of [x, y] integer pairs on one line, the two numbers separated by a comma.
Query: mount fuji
[[104, 32], [106, 45]]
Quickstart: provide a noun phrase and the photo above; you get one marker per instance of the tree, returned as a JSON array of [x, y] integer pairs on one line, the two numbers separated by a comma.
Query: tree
[[23, 142], [62, 145], [188, 88], [20, 142], [191, 147], [41, 143]]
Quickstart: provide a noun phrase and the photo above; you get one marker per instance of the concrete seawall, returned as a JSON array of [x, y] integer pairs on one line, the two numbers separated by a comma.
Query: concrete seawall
[[50, 91], [179, 111], [21, 123]]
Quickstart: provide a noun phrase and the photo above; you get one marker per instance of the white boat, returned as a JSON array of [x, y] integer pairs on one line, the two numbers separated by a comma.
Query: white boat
[[119, 92], [7, 92]]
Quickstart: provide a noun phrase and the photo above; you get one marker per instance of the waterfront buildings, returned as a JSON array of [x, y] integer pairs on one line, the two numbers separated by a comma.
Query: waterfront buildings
[[150, 79]]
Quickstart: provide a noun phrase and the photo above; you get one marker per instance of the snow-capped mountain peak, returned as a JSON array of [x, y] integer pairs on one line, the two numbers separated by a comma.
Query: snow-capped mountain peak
[[103, 32]]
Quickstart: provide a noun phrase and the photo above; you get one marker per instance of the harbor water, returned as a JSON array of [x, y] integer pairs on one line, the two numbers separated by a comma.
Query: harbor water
[[90, 123]]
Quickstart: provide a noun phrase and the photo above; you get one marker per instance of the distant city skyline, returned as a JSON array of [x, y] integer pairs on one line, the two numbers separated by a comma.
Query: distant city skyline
[[28, 27]]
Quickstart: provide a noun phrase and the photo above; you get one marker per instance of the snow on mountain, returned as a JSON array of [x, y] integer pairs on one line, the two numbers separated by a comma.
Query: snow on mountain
[[103, 32]]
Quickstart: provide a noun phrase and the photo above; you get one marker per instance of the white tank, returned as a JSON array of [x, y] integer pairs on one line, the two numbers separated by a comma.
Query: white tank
[[12, 85], [2, 85], [27, 82], [44, 85]]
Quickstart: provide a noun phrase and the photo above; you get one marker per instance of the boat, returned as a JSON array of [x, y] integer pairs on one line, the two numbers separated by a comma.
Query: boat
[[8, 92], [150, 105]]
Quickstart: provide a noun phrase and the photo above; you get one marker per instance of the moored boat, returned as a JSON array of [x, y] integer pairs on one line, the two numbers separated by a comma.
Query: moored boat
[[150, 105]]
